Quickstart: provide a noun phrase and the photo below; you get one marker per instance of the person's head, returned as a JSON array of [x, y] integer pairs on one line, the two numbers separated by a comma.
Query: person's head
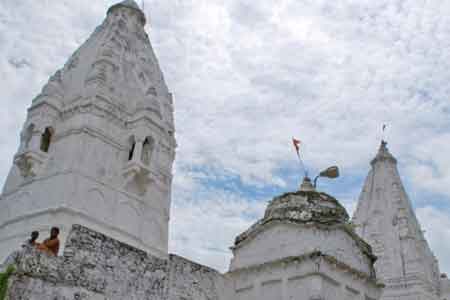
[[34, 235], [54, 232]]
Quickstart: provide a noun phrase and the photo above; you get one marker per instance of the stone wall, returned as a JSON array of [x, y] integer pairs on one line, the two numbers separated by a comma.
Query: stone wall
[[189, 280], [95, 267]]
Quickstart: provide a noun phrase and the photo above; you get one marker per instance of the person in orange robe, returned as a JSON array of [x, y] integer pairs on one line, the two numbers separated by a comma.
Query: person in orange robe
[[51, 245]]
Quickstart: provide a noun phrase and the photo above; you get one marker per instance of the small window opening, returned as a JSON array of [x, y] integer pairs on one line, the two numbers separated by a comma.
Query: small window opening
[[46, 139], [147, 149], [132, 148]]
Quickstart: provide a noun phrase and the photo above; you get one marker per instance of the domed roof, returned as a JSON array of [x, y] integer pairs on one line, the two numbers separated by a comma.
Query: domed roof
[[129, 4], [304, 206]]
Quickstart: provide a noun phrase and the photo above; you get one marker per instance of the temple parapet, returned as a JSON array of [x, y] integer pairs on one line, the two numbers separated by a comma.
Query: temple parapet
[[94, 266]]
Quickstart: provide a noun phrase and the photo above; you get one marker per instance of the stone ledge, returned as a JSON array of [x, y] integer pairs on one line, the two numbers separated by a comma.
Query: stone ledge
[[94, 266]]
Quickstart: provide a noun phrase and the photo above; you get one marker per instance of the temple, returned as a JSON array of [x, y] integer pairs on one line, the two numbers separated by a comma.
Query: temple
[[303, 248], [386, 220], [98, 144]]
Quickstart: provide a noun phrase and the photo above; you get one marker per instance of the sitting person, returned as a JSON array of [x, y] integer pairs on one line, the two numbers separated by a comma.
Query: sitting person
[[32, 241], [51, 245], [13, 257]]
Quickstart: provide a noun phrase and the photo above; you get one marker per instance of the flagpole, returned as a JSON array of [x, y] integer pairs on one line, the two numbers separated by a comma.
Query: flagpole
[[383, 135], [302, 165], [297, 150]]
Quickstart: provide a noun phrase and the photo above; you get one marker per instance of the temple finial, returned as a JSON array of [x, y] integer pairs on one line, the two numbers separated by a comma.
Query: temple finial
[[383, 134], [383, 154], [132, 5], [306, 185]]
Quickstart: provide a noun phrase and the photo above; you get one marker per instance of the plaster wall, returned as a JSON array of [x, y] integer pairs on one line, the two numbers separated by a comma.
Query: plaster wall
[[77, 198], [281, 240], [302, 278], [445, 289], [414, 293], [84, 173]]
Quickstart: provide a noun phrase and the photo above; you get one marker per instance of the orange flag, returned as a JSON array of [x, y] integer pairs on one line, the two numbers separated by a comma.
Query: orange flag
[[296, 145]]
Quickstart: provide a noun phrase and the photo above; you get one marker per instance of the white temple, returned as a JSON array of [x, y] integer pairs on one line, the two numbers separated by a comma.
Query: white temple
[[303, 248], [97, 150], [386, 220], [98, 144]]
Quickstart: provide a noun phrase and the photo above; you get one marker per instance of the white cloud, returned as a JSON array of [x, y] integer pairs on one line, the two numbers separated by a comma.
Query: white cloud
[[249, 75], [205, 224], [436, 224]]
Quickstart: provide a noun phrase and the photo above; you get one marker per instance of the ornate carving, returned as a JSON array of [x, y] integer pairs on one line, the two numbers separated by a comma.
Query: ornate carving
[[137, 178], [29, 163]]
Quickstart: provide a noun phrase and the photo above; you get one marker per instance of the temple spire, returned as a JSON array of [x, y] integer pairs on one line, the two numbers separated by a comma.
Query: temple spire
[[385, 218], [103, 128]]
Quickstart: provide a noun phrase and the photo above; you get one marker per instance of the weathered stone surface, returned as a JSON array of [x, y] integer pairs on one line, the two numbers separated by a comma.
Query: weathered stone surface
[[94, 265], [189, 280], [98, 267]]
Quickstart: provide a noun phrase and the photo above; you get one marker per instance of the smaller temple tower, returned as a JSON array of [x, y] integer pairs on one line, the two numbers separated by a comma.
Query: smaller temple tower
[[303, 248], [385, 218], [98, 144]]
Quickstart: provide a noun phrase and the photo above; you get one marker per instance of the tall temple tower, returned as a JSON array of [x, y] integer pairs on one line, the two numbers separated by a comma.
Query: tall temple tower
[[385, 218], [98, 144]]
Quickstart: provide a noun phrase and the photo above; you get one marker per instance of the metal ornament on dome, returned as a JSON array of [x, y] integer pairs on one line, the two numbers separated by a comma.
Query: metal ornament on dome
[[306, 185]]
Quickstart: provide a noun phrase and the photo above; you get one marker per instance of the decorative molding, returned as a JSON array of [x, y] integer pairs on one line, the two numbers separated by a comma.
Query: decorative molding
[[315, 256], [106, 185], [30, 163]]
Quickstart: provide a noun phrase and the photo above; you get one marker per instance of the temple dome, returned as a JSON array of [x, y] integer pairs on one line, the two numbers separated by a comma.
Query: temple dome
[[301, 223], [306, 206]]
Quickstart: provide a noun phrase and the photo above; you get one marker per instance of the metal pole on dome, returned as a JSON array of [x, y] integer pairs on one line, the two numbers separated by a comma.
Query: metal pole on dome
[[383, 137]]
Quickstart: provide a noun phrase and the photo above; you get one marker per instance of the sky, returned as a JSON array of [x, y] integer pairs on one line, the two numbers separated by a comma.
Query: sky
[[246, 77]]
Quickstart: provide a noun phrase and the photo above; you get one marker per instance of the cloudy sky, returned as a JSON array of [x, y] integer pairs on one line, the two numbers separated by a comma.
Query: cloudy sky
[[249, 75]]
